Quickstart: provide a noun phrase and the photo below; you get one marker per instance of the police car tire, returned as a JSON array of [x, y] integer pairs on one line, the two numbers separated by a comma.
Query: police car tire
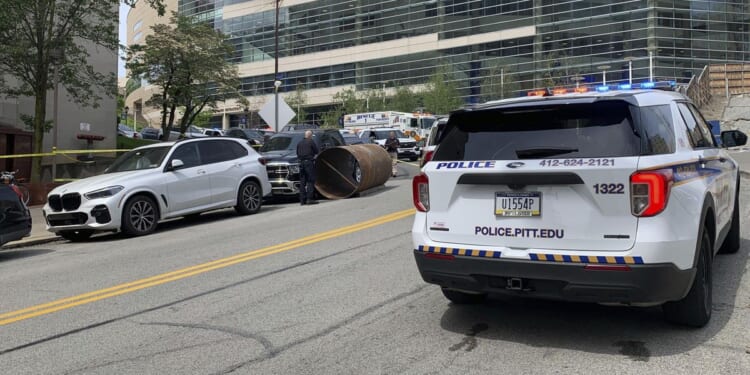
[[695, 309], [76, 235], [462, 298], [732, 241]]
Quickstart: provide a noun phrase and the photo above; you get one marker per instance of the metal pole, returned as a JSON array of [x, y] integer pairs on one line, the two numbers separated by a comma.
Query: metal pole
[[651, 66], [502, 83], [54, 120], [604, 77], [630, 72], [276, 70]]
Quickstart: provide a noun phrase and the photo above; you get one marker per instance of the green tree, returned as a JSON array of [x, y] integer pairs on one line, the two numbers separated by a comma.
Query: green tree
[[37, 35], [203, 119], [297, 100], [404, 100], [441, 94], [187, 61]]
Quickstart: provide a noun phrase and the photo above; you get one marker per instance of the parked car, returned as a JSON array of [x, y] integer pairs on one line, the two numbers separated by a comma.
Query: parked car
[[280, 152], [294, 127], [407, 149], [151, 133], [157, 182], [213, 132], [15, 218], [352, 139], [126, 131], [432, 140], [613, 197], [253, 136]]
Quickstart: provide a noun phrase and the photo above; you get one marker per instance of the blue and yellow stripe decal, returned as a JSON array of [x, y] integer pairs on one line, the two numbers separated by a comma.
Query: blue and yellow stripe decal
[[459, 252], [559, 258]]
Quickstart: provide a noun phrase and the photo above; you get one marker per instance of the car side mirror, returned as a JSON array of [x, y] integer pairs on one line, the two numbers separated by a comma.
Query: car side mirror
[[733, 138], [175, 165]]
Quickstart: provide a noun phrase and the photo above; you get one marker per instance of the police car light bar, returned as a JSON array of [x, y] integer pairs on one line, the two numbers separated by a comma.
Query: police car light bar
[[663, 85]]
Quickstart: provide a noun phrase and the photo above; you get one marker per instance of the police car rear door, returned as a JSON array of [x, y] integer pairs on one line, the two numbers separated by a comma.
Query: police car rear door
[[554, 175]]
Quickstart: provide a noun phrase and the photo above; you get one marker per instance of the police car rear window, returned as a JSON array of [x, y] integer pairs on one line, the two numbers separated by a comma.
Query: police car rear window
[[591, 130]]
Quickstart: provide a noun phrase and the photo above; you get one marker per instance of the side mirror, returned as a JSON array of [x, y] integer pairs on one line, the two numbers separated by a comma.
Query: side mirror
[[733, 138], [175, 165]]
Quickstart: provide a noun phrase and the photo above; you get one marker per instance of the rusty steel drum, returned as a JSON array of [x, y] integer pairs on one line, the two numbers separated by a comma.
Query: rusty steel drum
[[346, 170]]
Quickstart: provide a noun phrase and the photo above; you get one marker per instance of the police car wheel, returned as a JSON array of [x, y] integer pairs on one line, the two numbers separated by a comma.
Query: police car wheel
[[462, 298], [695, 309], [76, 235], [732, 242]]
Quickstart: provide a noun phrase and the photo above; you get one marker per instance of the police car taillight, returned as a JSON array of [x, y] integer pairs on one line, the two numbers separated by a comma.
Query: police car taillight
[[428, 156], [421, 192], [649, 192]]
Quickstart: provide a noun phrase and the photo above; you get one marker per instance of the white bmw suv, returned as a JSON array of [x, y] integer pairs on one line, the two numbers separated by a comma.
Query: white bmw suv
[[157, 182], [608, 197]]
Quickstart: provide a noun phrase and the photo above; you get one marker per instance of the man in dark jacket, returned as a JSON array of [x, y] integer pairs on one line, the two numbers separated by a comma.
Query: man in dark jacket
[[307, 151], [391, 145]]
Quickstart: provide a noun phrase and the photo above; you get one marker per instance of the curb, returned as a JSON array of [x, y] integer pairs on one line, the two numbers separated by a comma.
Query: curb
[[29, 242]]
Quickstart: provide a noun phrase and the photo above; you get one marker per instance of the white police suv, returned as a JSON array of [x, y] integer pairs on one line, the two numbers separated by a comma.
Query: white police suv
[[607, 196]]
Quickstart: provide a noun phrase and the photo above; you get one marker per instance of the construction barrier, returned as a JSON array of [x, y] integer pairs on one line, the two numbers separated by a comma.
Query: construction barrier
[[346, 170]]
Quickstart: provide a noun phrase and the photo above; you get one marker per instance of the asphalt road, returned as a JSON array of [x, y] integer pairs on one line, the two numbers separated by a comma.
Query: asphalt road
[[326, 289]]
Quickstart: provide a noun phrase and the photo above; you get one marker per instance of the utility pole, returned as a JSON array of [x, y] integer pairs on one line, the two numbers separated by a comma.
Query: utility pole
[[276, 82]]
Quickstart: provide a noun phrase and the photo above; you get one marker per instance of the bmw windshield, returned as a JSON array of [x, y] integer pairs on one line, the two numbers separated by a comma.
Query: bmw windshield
[[145, 158]]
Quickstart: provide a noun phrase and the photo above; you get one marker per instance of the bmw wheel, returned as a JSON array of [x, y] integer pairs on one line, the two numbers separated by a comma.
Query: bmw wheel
[[140, 216], [249, 198]]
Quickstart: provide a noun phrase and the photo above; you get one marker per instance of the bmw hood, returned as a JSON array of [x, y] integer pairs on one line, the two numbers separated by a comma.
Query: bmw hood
[[89, 184]]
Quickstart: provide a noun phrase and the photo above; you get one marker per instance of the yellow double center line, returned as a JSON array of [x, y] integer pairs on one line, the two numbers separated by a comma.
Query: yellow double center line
[[82, 299]]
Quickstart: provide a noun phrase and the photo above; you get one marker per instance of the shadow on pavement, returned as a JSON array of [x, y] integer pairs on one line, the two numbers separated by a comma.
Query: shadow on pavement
[[183, 223], [8, 255], [638, 333]]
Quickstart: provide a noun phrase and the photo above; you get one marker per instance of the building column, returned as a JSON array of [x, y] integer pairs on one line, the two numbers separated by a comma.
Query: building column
[[225, 121]]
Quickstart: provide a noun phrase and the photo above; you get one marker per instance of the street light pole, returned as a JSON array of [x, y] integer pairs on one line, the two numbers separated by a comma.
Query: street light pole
[[57, 56], [650, 65], [604, 68], [630, 59], [276, 82]]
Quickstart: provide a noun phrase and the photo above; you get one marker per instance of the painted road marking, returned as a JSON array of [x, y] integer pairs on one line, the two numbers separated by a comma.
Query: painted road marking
[[82, 299]]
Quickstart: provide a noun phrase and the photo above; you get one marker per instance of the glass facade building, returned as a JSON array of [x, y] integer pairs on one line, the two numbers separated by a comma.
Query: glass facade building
[[326, 45]]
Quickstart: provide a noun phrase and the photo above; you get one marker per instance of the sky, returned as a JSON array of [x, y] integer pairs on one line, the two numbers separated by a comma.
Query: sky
[[123, 37]]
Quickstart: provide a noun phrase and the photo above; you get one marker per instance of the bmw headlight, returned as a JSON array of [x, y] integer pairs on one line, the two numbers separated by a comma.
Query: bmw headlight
[[293, 168], [104, 193]]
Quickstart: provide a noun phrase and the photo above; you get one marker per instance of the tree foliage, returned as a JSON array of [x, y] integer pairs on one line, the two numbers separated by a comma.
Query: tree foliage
[[441, 95], [37, 35], [187, 61], [297, 100], [405, 100], [158, 5]]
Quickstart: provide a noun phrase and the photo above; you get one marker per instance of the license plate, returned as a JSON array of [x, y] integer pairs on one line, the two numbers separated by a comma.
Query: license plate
[[518, 204]]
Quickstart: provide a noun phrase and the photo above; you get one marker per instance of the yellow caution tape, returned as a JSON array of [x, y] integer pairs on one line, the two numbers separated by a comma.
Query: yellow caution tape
[[62, 152]]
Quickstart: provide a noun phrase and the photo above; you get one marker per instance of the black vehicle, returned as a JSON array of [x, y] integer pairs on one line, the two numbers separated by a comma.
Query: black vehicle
[[253, 136], [296, 127], [280, 152], [352, 139], [15, 218]]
